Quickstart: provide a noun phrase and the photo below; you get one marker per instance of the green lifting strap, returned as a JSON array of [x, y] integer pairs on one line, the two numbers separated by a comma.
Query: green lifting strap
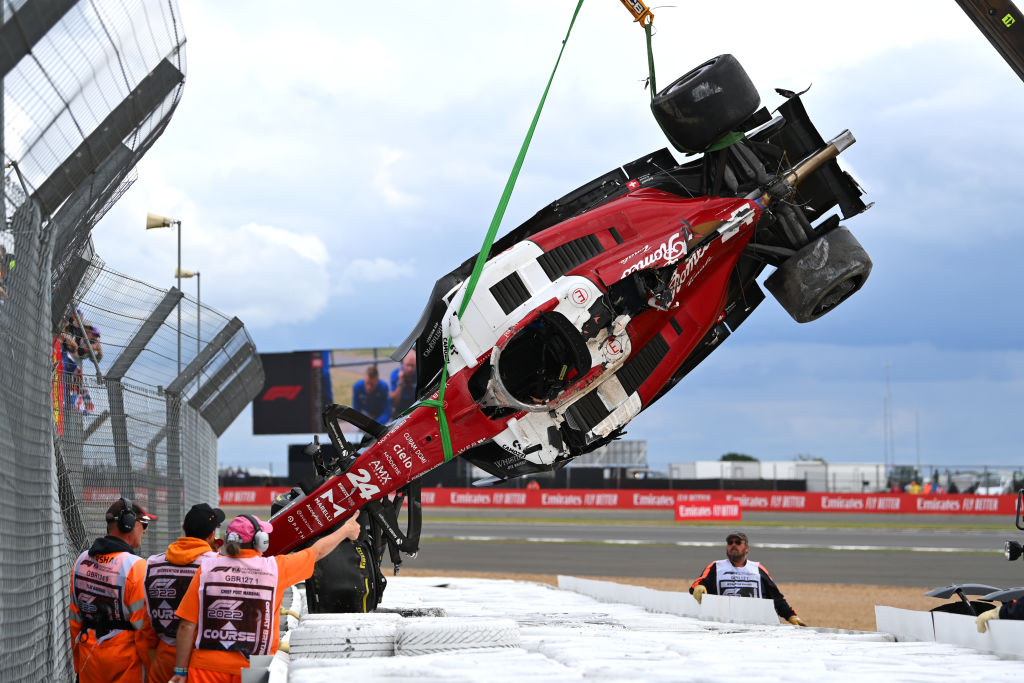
[[650, 61], [727, 140], [650, 78], [485, 250]]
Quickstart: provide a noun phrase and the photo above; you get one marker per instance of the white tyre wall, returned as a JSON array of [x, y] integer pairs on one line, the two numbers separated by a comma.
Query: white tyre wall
[[343, 639], [345, 619], [426, 635]]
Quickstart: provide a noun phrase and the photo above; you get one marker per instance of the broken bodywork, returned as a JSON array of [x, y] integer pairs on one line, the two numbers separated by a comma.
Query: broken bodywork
[[589, 312]]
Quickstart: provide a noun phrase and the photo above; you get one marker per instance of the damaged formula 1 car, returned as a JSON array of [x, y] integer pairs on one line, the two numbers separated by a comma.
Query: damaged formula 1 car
[[590, 311]]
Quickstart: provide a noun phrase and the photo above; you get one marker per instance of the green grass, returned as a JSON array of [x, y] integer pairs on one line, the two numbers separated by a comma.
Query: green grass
[[450, 539]]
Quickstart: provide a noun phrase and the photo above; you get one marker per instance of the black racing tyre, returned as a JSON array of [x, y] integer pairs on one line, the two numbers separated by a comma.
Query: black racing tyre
[[820, 276], [700, 107]]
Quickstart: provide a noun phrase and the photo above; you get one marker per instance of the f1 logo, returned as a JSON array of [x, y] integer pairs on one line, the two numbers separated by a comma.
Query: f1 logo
[[162, 588], [328, 495], [225, 609], [285, 391]]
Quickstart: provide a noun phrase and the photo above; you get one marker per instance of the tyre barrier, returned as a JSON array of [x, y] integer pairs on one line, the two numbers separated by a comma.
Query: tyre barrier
[[287, 599], [413, 611], [428, 635], [344, 640], [338, 618], [293, 602], [343, 636]]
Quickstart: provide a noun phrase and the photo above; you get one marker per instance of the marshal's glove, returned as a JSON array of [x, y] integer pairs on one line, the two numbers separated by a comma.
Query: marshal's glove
[[699, 591], [796, 621], [984, 618]]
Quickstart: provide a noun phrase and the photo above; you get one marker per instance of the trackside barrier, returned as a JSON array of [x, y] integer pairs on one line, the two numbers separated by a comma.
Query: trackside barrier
[[736, 610], [905, 624], [250, 495], [647, 499], [259, 666], [730, 609], [278, 668], [267, 668], [1003, 637], [665, 602], [701, 511]]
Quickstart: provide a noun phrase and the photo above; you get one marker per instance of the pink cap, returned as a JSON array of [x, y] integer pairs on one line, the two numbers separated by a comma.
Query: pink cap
[[244, 528]]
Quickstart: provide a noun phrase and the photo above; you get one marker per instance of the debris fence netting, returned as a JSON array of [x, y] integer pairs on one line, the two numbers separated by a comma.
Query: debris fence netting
[[33, 553], [134, 420], [109, 387]]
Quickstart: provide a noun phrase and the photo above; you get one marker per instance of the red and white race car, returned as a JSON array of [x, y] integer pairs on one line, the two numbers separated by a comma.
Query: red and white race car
[[590, 311]]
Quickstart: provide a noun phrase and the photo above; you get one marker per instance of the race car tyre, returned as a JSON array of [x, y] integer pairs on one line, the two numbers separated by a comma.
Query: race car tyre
[[697, 109], [426, 635], [411, 611], [339, 619], [294, 601], [820, 276], [343, 639]]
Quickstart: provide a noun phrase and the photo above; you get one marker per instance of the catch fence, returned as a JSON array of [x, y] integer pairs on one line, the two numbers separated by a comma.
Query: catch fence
[[87, 417]]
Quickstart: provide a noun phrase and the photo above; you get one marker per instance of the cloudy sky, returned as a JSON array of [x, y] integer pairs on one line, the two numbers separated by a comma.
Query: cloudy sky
[[328, 166]]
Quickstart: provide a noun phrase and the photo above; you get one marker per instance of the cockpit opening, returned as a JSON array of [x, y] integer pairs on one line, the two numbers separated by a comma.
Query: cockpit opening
[[543, 359]]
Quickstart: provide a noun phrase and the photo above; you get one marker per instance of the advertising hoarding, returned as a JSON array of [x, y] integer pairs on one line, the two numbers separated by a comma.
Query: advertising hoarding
[[299, 384]]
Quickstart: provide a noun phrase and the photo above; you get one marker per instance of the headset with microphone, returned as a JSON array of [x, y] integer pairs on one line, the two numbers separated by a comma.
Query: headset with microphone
[[126, 517], [260, 538]]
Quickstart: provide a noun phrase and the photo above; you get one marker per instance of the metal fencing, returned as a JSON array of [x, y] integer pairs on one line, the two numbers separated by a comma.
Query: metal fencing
[[134, 422], [94, 403]]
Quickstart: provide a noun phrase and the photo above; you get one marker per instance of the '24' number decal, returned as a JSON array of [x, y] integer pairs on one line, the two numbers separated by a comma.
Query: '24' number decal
[[361, 479]]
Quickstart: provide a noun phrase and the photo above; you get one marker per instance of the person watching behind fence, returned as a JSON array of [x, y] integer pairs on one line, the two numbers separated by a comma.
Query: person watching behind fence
[[736, 575], [93, 334], [370, 396], [107, 608], [215, 649], [403, 384], [168, 574]]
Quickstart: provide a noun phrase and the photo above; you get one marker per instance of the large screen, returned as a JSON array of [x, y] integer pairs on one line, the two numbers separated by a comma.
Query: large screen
[[299, 384]]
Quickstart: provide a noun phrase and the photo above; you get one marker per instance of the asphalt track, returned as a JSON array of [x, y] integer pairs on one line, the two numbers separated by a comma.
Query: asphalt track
[[887, 550]]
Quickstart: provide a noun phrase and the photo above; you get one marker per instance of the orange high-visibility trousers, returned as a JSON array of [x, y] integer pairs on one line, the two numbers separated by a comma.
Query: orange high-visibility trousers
[[112, 661], [207, 676], [161, 668]]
